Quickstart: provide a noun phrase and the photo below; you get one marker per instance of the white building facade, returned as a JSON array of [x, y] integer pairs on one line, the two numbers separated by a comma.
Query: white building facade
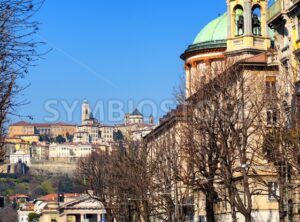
[[20, 157], [69, 151]]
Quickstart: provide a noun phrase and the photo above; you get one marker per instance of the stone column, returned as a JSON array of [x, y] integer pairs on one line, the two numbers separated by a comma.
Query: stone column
[[263, 14], [229, 15], [98, 217], [247, 17], [194, 78], [188, 80], [64, 218], [81, 217]]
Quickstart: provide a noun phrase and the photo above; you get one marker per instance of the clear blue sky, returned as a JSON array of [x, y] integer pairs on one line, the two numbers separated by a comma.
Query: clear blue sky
[[113, 49]]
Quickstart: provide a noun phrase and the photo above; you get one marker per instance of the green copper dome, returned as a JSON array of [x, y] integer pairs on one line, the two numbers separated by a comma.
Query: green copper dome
[[214, 36], [214, 31]]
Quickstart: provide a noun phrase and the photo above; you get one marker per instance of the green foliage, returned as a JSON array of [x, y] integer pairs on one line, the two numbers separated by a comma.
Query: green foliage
[[60, 139], [69, 137], [38, 192], [9, 191], [118, 135], [33, 217], [47, 186], [44, 138], [65, 184], [7, 186], [38, 186], [21, 188]]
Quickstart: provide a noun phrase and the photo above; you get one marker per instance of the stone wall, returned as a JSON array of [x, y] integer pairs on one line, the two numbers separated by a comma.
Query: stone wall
[[52, 168]]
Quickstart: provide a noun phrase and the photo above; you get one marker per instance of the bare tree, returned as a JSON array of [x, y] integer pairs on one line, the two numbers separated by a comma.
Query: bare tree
[[281, 139], [95, 172], [17, 53], [8, 214], [238, 124], [223, 135], [134, 175], [121, 180], [173, 197], [200, 146]]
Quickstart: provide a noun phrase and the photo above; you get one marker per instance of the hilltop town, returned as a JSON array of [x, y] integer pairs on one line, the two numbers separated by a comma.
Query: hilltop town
[[228, 152], [56, 147]]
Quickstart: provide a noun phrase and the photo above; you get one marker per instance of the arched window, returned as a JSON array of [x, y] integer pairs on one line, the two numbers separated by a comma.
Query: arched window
[[239, 20], [256, 20]]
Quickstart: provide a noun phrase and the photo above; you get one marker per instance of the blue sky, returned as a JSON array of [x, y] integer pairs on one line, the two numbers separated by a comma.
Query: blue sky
[[103, 50]]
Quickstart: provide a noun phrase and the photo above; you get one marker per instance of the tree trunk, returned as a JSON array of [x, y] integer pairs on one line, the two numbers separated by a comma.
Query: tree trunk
[[209, 207], [109, 217], [281, 210], [282, 196], [145, 212], [171, 213], [232, 205], [248, 218], [233, 215]]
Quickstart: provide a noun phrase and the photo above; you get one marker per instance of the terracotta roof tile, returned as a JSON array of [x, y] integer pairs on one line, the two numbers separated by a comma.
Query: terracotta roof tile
[[260, 58], [17, 196], [53, 197], [62, 124], [28, 207], [41, 124], [21, 123]]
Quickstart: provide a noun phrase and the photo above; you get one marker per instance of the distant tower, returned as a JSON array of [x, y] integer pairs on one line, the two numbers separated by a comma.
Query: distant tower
[[247, 27], [85, 111], [126, 118], [151, 119]]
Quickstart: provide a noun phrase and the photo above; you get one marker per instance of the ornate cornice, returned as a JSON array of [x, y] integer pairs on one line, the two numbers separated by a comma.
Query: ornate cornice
[[204, 47]]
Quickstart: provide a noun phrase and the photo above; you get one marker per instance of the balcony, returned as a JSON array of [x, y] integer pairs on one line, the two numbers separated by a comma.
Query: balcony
[[275, 10]]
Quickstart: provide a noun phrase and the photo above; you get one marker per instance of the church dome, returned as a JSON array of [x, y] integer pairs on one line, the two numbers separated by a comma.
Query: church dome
[[136, 112], [213, 36], [216, 30]]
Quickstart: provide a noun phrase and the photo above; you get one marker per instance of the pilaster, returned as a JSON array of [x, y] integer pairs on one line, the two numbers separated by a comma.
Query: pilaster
[[247, 17], [229, 25], [188, 80]]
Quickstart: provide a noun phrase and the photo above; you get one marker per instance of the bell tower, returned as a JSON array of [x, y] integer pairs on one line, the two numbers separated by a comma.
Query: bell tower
[[85, 112], [247, 27]]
